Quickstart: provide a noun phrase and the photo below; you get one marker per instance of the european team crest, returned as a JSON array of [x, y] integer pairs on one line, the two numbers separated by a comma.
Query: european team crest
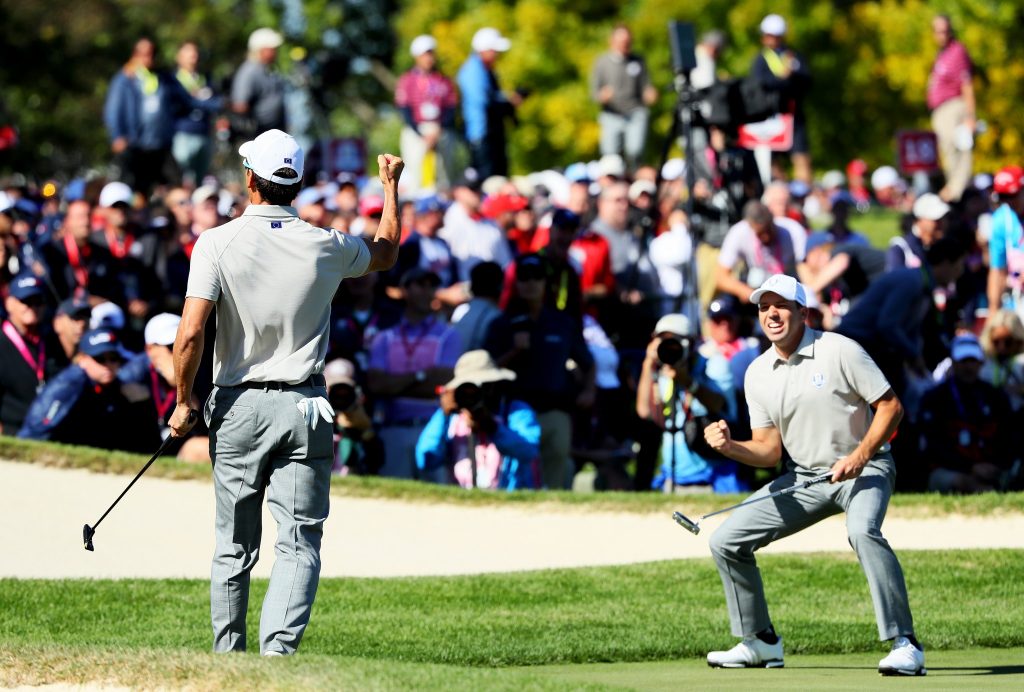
[[818, 380]]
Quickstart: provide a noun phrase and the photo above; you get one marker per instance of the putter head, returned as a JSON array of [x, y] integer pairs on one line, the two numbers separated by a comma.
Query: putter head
[[87, 534], [686, 523]]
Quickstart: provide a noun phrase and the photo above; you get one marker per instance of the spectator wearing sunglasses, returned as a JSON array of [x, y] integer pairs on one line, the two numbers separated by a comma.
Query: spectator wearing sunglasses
[[22, 353], [85, 404], [1003, 343]]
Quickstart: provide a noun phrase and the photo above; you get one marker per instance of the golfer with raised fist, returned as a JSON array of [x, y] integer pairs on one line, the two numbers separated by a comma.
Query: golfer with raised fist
[[271, 277], [821, 397]]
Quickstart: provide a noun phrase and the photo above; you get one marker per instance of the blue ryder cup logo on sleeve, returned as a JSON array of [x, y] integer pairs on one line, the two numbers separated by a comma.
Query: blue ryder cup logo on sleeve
[[275, 224], [288, 161], [818, 380]]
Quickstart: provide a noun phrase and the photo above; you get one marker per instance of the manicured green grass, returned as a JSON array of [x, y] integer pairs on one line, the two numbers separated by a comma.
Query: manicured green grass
[[104, 461], [662, 611]]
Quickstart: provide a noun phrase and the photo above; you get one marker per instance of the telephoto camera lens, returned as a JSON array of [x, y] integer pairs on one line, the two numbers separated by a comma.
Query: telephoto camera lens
[[468, 396], [342, 397], [671, 351]]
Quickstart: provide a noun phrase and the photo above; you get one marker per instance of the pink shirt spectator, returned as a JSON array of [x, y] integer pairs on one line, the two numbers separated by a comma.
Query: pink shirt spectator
[[952, 69], [426, 94]]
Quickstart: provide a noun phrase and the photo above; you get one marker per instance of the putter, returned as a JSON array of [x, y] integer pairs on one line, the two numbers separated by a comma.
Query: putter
[[89, 531], [694, 526]]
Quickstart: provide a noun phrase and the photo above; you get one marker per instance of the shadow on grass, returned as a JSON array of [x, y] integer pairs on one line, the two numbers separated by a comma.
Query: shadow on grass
[[979, 670]]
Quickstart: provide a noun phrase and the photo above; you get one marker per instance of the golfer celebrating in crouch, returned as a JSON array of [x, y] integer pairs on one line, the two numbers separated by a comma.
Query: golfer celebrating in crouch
[[813, 393], [271, 277]]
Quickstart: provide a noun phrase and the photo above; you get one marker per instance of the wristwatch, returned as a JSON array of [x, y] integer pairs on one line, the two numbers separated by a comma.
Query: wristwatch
[[421, 375]]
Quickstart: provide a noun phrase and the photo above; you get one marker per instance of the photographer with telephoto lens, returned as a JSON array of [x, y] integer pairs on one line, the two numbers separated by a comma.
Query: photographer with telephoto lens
[[481, 436], [357, 448], [681, 390]]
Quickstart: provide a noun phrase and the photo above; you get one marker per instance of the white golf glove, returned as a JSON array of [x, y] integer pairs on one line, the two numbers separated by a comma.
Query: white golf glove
[[312, 408]]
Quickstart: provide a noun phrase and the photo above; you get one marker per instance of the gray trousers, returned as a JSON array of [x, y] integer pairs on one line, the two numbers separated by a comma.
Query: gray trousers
[[864, 500], [260, 445]]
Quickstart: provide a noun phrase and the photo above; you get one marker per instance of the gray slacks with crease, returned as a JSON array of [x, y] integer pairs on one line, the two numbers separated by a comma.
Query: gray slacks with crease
[[260, 445], [864, 499]]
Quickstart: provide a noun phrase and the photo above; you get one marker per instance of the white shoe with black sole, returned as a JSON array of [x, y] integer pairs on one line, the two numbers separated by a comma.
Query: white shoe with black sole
[[749, 653], [904, 659]]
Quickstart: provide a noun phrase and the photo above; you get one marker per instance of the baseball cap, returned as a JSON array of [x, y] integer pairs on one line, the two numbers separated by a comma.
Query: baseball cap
[[799, 189], [162, 329], [422, 44], [783, 285], [563, 218], [966, 347], [418, 274], [674, 323], [271, 151], [723, 305], [470, 179], [75, 307], [490, 38], [477, 367], [816, 240], [115, 192], [577, 172], [265, 38], [106, 315], [205, 192], [492, 185], [370, 205], [503, 204], [982, 181], [428, 204], [673, 169], [1008, 180], [97, 342], [884, 176], [612, 165], [773, 25], [340, 371], [641, 186], [833, 179], [26, 286], [5, 202], [842, 197], [930, 206]]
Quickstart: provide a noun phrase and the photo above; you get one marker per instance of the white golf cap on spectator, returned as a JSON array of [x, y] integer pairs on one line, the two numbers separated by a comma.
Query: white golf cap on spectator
[[674, 323], [205, 192], [5, 202], [271, 151], [612, 165], [783, 285], [773, 25], [673, 169], [106, 315], [162, 329], [115, 192], [930, 206], [641, 186], [966, 347], [492, 185], [883, 177], [490, 38], [264, 38], [340, 371], [422, 44], [833, 179]]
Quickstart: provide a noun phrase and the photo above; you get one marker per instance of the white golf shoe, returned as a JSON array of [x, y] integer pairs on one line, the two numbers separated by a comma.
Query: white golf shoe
[[749, 653], [904, 659]]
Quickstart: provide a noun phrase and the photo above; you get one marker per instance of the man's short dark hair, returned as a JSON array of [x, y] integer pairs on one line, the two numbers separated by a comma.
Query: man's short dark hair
[[276, 193], [486, 280], [945, 250]]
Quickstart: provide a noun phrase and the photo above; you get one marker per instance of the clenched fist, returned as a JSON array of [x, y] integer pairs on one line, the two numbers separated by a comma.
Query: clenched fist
[[717, 436], [390, 169]]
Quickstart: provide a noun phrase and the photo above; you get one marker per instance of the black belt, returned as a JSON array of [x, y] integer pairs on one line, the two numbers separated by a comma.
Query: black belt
[[311, 381]]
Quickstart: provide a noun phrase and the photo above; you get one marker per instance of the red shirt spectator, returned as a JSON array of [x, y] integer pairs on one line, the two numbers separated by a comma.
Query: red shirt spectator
[[952, 69]]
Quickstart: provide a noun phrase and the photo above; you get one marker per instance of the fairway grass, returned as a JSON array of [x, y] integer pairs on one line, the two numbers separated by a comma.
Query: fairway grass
[[523, 630]]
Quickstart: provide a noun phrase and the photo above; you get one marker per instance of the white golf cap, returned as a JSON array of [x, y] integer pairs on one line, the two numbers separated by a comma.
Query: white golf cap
[[966, 347], [833, 179], [106, 315], [490, 38], [613, 165], [116, 193], [264, 38], [340, 371], [673, 169], [271, 151], [930, 206], [883, 177], [421, 44], [783, 285], [205, 192], [773, 25], [5, 202], [162, 329], [641, 186], [674, 323]]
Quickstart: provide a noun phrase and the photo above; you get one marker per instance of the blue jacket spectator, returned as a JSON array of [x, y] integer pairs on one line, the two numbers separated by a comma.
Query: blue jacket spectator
[[482, 438], [484, 106]]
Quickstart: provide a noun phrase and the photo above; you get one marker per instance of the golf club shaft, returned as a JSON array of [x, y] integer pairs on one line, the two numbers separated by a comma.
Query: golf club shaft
[[163, 446], [785, 491]]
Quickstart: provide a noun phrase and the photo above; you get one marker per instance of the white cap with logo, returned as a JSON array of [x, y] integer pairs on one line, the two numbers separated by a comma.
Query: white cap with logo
[[674, 323], [930, 206], [115, 192], [271, 151], [490, 38], [162, 329], [783, 285], [421, 44], [773, 25]]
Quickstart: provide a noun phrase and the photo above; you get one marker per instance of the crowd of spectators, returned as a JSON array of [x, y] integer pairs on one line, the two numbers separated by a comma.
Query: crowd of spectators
[[533, 324]]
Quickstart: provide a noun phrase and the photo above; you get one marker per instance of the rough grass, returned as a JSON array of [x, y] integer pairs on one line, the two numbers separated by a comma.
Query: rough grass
[[104, 461]]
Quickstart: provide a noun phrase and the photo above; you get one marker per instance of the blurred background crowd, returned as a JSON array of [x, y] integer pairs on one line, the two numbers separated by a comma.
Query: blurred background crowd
[[588, 315]]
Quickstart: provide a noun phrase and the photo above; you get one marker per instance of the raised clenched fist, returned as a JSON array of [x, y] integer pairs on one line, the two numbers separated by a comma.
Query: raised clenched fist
[[717, 436], [390, 169]]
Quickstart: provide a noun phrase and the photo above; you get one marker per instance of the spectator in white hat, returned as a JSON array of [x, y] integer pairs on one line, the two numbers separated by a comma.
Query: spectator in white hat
[[910, 249], [781, 70], [257, 90], [484, 106], [427, 100], [620, 85]]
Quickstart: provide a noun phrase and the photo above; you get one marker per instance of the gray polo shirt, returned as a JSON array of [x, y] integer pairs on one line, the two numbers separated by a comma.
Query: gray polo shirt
[[819, 400], [627, 75], [272, 277]]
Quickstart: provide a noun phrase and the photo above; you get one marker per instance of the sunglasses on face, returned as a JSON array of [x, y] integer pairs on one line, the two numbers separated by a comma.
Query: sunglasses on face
[[1005, 341], [529, 275], [34, 303], [108, 359]]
